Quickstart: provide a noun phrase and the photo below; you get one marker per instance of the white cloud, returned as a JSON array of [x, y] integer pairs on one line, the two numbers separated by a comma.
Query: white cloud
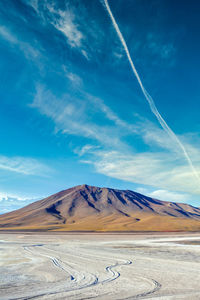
[[162, 166], [7, 35], [10, 202], [86, 149], [29, 51], [66, 24], [160, 170], [83, 31], [73, 116], [74, 78], [165, 195], [23, 165], [85, 54], [34, 4]]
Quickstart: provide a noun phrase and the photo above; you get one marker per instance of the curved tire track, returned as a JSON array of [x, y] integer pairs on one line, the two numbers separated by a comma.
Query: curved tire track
[[115, 274], [80, 280]]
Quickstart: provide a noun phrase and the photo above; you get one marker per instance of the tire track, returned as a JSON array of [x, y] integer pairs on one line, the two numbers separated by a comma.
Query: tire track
[[81, 280], [157, 287], [115, 274], [109, 269], [76, 276]]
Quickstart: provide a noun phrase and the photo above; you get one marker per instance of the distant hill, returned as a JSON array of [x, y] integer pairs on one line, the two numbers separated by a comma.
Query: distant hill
[[89, 208]]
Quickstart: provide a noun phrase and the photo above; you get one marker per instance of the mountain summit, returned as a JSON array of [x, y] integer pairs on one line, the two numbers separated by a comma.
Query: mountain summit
[[90, 208]]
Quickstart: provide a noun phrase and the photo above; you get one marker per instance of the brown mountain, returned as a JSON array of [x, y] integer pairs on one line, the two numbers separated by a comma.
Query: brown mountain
[[89, 208]]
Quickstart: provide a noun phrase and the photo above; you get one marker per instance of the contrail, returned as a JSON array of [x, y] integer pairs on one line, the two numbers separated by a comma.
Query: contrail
[[146, 94]]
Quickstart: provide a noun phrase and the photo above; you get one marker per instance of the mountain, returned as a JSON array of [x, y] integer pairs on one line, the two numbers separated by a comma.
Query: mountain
[[89, 208]]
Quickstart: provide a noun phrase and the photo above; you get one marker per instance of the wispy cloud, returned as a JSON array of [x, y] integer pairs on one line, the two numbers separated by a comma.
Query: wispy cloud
[[156, 46], [23, 165], [7, 35], [82, 29], [34, 5], [154, 169], [29, 51], [85, 149], [72, 115], [162, 165], [65, 22], [74, 78], [165, 195]]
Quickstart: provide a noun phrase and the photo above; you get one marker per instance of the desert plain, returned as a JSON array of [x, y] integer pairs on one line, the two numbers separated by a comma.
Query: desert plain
[[99, 266]]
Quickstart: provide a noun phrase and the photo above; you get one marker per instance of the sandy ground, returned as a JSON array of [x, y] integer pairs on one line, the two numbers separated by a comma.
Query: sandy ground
[[103, 266]]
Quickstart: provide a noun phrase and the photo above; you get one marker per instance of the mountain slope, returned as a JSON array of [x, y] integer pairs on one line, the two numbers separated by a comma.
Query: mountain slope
[[103, 209]]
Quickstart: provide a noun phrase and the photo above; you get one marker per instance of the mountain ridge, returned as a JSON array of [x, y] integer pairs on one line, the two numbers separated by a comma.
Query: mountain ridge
[[90, 208]]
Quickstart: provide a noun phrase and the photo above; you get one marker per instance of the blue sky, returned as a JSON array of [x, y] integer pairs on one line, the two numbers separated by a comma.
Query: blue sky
[[72, 111]]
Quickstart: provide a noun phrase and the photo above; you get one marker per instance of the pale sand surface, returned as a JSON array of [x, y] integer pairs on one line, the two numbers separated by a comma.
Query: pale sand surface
[[101, 266]]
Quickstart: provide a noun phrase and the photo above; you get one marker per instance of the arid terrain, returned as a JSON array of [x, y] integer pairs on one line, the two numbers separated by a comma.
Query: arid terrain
[[90, 208], [101, 266]]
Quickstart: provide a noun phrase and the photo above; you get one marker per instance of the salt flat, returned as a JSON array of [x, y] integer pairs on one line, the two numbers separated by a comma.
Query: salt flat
[[101, 266]]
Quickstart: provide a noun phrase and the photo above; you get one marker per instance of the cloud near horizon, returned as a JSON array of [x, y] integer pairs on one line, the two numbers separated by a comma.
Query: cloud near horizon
[[165, 195], [12, 202]]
